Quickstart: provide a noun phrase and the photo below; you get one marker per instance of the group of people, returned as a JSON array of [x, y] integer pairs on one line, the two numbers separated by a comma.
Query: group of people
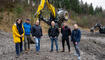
[[22, 32]]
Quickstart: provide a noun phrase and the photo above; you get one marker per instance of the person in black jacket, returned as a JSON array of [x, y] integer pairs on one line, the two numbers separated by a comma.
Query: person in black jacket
[[75, 38], [53, 33], [37, 33], [66, 32]]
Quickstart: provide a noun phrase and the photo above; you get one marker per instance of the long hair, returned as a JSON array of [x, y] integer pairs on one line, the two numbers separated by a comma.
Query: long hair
[[19, 19], [19, 26]]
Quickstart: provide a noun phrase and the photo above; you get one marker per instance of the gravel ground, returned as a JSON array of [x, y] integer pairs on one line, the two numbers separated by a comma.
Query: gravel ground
[[91, 47]]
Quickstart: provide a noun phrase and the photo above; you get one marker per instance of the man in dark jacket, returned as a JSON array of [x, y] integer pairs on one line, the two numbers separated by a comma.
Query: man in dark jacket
[[75, 38], [53, 33], [66, 32], [37, 33]]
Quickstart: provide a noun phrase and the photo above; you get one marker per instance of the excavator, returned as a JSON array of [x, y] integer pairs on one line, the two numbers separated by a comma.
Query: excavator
[[100, 28], [57, 16]]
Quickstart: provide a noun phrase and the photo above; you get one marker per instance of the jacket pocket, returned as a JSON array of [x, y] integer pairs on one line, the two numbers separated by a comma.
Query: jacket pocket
[[16, 40]]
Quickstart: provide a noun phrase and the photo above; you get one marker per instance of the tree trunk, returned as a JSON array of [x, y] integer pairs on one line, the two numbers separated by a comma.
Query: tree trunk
[[28, 2]]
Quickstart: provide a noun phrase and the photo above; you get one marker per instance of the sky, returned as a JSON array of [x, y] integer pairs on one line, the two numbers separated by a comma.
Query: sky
[[96, 3]]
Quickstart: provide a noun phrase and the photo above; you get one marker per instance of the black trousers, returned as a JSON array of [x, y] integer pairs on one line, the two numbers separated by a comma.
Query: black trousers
[[63, 43]]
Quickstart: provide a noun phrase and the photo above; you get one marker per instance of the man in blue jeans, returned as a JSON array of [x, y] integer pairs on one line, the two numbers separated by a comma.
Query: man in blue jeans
[[53, 33], [37, 33], [75, 38]]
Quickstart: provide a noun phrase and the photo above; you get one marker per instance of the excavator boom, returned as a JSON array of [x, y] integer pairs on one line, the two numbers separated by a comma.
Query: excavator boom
[[51, 8], [41, 6]]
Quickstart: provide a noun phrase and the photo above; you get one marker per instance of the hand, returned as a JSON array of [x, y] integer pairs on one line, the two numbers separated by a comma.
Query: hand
[[33, 36], [76, 43], [21, 35], [50, 37], [55, 37]]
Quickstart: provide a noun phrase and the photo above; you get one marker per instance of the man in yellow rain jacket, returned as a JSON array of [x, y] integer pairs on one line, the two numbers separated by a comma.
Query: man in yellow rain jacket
[[18, 36]]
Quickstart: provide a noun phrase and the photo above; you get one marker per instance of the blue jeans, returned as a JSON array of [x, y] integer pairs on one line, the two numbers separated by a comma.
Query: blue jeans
[[37, 41], [56, 43], [77, 48], [19, 48]]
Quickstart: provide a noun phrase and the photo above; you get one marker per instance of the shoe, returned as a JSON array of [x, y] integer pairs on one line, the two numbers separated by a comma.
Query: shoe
[[76, 54], [62, 51], [51, 50], [21, 52], [37, 53], [26, 51], [17, 56], [69, 51], [79, 58], [57, 51]]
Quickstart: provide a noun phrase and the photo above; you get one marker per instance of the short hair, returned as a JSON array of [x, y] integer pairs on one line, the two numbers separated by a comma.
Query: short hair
[[37, 21], [76, 24], [27, 19], [52, 22]]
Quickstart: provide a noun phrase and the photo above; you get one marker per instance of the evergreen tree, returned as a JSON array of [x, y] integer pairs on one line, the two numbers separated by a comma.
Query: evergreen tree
[[91, 10], [98, 10]]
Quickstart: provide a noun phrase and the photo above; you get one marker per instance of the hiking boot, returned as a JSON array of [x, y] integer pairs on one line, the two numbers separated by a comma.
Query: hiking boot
[[26, 51], [76, 54], [69, 51], [79, 58], [62, 51], [22, 52], [37, 53], [51, 50], [57, 51], [17, 56]]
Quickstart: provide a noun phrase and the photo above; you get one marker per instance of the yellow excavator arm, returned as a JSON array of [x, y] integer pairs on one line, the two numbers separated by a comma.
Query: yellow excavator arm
[[50, 6], [40, 7]]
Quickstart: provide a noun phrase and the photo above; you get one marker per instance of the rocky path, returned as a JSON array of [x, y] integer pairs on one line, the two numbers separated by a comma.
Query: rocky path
[[92, 48]]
